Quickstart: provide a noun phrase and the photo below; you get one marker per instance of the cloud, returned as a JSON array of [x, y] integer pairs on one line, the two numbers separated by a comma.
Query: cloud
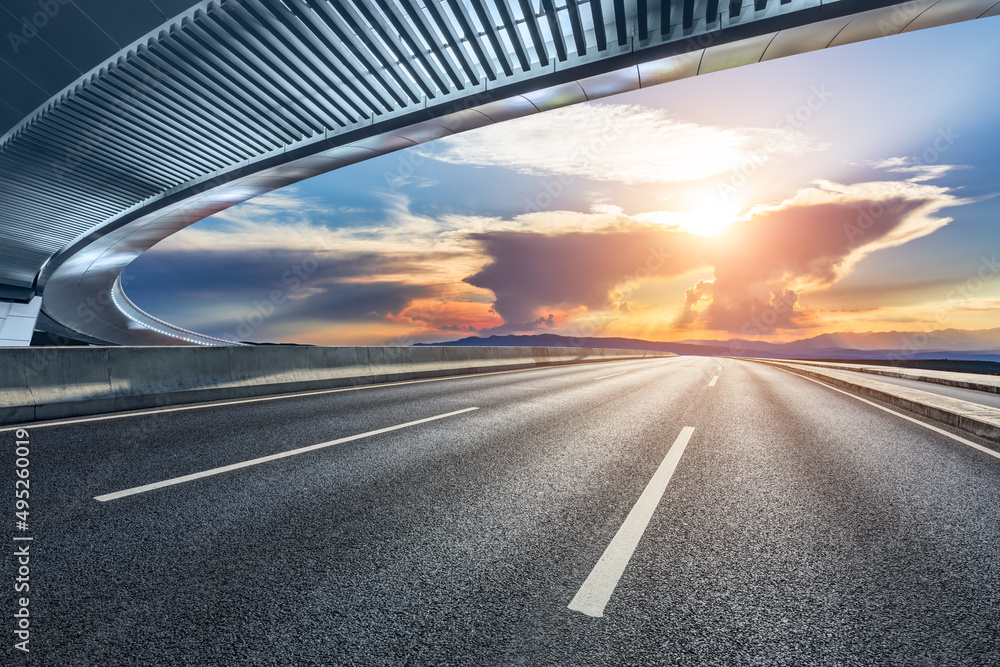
[[548, 322], [769, 258], [446, 312], [917, 170], [978, 305], [574, 258], [233, 288], [401, 276], [405, 269], [354, 301], [614, 142], [745, 313], [273, 261], [285, 207], [529, 271]]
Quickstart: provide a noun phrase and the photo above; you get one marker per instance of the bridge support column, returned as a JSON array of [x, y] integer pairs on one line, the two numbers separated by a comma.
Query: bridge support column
[[17, 321]]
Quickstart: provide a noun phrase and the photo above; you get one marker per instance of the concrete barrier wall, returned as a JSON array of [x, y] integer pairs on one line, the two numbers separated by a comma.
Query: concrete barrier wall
[[57, 382]]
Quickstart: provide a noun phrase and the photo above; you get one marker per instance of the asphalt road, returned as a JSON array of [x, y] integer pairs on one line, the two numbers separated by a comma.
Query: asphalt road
[[801, 526]]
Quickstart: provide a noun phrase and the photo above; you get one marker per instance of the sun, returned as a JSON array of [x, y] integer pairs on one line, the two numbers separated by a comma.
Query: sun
[[709, 217]]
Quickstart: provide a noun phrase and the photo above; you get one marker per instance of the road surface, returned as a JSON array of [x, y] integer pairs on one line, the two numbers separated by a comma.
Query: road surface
[[797, 525]]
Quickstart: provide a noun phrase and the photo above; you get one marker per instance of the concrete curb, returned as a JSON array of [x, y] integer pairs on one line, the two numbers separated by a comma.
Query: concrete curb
[[971, 418], [58, 382], [947, 378]]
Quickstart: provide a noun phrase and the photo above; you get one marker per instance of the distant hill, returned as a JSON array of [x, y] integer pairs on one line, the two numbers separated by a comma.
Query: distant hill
[[556, 340], [982, 345]]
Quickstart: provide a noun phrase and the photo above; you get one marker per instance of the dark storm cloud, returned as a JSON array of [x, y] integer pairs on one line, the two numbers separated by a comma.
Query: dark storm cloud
[[528, 271], [804, 241], [520, 327], [347, 301]]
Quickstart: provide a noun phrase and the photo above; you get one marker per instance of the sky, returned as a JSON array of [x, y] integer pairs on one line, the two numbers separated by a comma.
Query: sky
[[842, 191]]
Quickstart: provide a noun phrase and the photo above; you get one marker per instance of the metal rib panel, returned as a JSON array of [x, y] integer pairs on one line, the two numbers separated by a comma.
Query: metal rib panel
[[535, 32], [367, 65], [576, 25], [472, 38], [356, 22], [600, 32], [215, 99], [163, 95], [398, 23], [423, 26], [398, 51], [237, 65], [489, 27], [307, 62], [621, 22], [452, 39], [549, 9], [282, 70], [350, 73], [214, 74], [507, 17]]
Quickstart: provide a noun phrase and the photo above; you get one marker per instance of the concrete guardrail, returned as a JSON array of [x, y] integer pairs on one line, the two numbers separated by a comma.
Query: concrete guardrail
[[987, 383], [57, 382]]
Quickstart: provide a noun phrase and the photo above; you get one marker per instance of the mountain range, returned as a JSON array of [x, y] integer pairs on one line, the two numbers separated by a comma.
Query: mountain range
[[955, 344]]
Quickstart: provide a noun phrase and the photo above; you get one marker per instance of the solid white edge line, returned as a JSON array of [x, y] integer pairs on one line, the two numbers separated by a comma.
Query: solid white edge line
[[714, 380], [957, 438], [264, 459], [611, 376], [301, 394], [595, 592]]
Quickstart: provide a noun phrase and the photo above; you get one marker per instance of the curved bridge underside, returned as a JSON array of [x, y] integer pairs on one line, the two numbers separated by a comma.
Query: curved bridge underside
[[232, 99]]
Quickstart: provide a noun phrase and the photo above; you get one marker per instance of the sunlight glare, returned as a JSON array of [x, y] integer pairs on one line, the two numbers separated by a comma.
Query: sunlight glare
[[710, 217]]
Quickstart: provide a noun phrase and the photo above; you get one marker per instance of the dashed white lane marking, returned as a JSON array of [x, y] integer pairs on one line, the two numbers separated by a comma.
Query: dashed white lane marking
[[272, 457], [593, 596], [714, 380], [958, 438], [611, 376]]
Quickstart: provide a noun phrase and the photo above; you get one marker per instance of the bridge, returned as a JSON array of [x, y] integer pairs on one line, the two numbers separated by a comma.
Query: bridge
[[123, 126]]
